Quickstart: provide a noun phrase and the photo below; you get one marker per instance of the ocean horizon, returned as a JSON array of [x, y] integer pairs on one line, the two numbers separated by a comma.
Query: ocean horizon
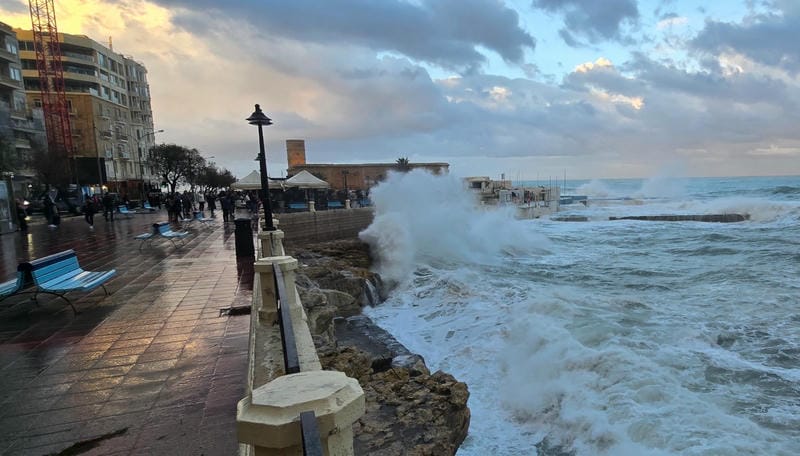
[[608, 337]]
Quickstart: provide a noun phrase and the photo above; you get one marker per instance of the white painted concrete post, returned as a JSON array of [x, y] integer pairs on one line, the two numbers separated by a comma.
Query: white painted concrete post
[[271, 243], [347, 203], [267, 311], [312, 206], [269, 418]]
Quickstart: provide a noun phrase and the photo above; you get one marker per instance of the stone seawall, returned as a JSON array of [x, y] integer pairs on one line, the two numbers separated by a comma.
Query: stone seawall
[[309, 227]]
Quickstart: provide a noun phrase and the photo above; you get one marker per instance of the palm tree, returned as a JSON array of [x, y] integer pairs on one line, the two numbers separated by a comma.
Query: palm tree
[[403, 165]]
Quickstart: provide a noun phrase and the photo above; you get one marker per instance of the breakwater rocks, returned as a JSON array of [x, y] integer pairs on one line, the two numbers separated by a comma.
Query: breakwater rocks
[[711, 218], [714, 218], [409, 410]]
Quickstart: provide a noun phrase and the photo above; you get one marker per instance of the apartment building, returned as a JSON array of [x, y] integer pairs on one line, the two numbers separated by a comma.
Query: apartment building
[[108, 99], [20, 126]]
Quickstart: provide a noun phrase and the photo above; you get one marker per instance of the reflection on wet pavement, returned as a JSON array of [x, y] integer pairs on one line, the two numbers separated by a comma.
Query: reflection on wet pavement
[[150, 369]]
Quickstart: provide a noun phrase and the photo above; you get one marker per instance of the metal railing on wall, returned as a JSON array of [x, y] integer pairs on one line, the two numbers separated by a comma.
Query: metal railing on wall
[[309, 430]]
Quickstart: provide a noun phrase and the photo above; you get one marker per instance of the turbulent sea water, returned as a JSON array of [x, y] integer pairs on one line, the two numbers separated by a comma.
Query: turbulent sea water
[[605, 337]]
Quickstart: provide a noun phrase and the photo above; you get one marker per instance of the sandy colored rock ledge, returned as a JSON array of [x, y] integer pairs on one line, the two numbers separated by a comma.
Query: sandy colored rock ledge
[[409, 411]]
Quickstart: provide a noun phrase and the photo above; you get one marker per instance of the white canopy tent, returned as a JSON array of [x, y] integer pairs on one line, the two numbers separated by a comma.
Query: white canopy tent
[[253, 182], [304, 179]]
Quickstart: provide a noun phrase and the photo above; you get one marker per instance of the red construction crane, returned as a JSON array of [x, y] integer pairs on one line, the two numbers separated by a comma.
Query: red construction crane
[[51, 78]]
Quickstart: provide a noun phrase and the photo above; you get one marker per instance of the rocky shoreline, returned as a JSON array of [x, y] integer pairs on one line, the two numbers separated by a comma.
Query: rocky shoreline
[[409, 410]]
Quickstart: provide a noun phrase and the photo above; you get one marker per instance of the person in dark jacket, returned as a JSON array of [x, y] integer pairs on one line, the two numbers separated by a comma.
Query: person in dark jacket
[[89, 209], [212, 204], [22, 216], [108, 207]]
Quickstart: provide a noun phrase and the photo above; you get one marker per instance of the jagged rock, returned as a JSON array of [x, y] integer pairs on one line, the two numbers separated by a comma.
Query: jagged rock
[[409, 411], [320, 315]]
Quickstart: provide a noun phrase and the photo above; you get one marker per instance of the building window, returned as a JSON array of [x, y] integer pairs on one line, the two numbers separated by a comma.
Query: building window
[[15, 74], [11, 47], [37, 103]]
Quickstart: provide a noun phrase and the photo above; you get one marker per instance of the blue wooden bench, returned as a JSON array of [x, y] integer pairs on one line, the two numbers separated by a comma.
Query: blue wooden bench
[[60, 273], [335, 205], [164, 230], [12, 287], [145, 238], [298, 207], [125, 211], [147, 206], [205, 221]]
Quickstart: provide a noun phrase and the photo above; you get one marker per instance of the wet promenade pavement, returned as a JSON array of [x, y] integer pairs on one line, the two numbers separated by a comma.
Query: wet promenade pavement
[[150, 369]]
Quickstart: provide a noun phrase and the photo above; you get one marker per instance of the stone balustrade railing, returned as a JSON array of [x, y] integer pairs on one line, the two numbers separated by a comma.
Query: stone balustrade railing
[[269, 417]]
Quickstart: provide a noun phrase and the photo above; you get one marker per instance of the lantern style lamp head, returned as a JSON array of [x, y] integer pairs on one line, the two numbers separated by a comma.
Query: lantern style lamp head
[[259, 119]]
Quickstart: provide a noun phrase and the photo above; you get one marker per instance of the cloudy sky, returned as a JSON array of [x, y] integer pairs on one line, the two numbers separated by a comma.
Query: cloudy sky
[[529, 88]]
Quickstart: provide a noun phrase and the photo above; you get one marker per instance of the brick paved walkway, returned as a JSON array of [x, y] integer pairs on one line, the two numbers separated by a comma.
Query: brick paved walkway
[[150, 369]]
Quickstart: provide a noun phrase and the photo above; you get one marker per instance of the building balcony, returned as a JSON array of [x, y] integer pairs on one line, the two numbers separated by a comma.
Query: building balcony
[[22, 143], [106, 134], [28, 125], [122, 137], [7, 81], [76, 57], [19, 114], [7, 56], [82, 77]]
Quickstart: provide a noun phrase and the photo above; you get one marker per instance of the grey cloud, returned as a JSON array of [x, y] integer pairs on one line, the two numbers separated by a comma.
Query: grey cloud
[[13, 6], [747, 88], [770, 39], [592, 19], [441, 32]]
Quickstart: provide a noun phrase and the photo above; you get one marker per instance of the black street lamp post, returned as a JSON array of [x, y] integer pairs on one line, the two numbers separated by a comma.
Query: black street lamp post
[[259, 119]]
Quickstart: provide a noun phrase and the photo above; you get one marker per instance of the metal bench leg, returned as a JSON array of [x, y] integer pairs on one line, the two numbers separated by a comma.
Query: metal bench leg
[[74, 310], [104, 289]]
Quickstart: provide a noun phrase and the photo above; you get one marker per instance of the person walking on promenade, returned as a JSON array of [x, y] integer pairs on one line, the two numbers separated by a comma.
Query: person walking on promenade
[[186, 205], [227, 206], [89, 209], [49, 207], [169, 202], [22, 216], [212, 204], [108, 207], [201, 202]]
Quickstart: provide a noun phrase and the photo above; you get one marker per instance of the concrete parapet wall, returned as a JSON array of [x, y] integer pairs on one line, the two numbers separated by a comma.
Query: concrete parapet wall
[[324, 225], [268, 416]]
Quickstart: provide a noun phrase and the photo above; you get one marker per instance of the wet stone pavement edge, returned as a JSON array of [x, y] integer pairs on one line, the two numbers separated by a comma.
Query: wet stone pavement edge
[[150, 369]]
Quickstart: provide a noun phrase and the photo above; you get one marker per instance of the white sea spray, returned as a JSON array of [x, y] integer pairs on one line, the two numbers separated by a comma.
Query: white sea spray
[[628, 337], [421, 215]]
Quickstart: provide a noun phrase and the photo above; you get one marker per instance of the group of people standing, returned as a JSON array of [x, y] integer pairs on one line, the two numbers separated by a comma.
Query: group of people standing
[[183, 205], [179, 206], [92, 204]]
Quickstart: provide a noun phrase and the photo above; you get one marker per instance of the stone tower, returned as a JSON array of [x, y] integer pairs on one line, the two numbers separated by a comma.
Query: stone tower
[[295, 152]]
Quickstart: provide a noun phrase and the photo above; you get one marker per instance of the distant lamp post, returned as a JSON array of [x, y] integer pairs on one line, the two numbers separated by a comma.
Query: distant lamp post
[[259, 119]]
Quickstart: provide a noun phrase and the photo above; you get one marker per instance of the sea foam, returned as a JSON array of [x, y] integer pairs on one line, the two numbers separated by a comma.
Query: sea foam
[[420, 215]]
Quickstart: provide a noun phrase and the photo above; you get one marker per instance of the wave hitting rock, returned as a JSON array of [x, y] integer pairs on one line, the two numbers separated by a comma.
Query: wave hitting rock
[[409, 410]]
